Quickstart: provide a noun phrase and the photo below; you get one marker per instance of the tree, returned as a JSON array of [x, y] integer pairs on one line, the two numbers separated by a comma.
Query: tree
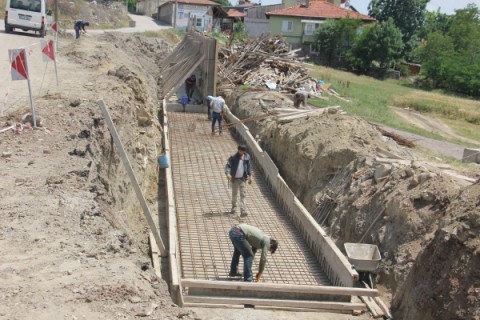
[[408, 16], [224, 3], [381, 42], [451, 60], [434, 22], [336, 37]]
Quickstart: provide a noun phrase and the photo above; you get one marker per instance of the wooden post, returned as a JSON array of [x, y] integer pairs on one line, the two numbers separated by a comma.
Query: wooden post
[[133, 179]]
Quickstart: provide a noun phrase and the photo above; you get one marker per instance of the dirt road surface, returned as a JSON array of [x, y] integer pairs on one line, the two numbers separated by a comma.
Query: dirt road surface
[[66, 251]]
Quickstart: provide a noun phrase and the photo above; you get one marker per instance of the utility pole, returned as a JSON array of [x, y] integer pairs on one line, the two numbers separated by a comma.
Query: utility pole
[[56, 11]]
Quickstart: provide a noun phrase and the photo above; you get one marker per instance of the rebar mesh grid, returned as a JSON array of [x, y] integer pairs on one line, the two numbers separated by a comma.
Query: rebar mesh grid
[[203, 201]]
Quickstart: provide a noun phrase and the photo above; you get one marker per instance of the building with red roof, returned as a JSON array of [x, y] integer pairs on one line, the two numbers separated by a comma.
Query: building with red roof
[[196, 14], [298, 23]]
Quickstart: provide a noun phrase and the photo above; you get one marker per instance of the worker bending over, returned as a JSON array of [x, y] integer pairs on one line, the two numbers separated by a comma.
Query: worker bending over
[[246, 240]]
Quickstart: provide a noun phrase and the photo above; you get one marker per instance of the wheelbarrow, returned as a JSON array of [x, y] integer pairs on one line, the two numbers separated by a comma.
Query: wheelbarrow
[[365, 258]]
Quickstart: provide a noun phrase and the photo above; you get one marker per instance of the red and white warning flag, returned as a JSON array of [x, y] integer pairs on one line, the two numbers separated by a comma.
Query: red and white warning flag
[[18, 61], [55, 27], [48, 52]]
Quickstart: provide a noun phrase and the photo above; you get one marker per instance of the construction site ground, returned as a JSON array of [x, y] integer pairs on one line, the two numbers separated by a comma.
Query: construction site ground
[[70, 248], [74, 242]]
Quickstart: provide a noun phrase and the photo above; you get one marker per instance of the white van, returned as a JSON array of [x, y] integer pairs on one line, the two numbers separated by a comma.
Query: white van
[[26, 15]]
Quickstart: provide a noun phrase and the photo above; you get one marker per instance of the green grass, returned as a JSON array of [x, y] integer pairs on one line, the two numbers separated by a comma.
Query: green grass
[[373, 100]]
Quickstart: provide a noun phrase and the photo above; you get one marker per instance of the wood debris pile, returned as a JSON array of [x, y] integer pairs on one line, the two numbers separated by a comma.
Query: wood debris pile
[[253, 63]]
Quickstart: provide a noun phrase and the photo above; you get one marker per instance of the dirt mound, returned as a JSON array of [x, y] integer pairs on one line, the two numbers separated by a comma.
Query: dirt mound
[[74, 242], [450, 264], [362, 187]]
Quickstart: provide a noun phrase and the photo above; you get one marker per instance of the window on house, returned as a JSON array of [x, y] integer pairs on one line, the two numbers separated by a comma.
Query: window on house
[[199, 22], [287, 26], [309, 28]]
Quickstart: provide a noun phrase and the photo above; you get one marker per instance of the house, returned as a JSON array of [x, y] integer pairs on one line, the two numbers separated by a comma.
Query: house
[[236, 13], [148, 7], [297, 23], [200, 14], [256, 22]]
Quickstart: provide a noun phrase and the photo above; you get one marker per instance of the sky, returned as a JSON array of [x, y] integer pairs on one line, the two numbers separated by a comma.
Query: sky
[[446, 6]]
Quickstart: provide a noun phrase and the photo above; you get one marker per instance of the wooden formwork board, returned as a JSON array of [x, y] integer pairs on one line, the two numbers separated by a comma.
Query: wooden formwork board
[[321, 305]]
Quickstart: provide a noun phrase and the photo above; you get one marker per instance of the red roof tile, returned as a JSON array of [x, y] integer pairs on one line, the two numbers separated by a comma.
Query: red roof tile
[[235, 13], [205, 2], [320, 9]]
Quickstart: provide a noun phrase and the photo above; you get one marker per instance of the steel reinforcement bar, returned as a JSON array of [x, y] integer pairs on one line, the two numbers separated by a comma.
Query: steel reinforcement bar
[[337, 267]]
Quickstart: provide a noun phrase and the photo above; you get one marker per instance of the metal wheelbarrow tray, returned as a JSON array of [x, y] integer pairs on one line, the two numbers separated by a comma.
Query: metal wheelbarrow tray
[[364, 257]]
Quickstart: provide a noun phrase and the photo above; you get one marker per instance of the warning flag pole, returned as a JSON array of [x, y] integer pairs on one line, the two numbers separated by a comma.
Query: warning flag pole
[[32, 105]]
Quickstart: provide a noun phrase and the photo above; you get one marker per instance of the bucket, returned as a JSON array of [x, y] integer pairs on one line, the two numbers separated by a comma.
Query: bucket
[[163, 161]]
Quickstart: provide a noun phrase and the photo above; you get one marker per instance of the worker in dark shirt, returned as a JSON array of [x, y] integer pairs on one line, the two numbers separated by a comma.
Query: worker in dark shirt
[[246, 240], [80, 26], [190, 86]]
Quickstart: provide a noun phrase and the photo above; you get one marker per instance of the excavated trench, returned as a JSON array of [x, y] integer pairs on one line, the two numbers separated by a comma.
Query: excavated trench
[[331, 164], [364, 188]]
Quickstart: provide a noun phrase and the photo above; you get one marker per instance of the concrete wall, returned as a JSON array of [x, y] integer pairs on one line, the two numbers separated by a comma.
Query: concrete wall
[[201, 19], [149, 7], [165, 13]]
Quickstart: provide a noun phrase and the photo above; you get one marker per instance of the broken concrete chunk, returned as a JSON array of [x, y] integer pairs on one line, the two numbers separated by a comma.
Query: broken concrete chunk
[[7, 154]]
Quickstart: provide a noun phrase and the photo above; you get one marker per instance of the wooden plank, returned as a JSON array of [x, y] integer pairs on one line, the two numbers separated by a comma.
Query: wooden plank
[[274, 287], [372, 307], [278, 303], [212, 305], [131, 174], [155, 255], [292, 309], [384, 308]]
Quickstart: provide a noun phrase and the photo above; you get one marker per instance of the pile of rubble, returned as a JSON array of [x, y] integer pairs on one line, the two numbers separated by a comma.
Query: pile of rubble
[[262, 62]]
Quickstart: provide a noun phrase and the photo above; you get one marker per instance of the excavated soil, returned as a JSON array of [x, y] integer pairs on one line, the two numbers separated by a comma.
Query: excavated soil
[[363, 187], [73, 239]]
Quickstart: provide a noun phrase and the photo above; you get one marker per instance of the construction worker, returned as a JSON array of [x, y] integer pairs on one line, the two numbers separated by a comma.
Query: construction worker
[[79, 26], [190, 86], [246, 241], [300, 97], [218, 106], [238, 173]]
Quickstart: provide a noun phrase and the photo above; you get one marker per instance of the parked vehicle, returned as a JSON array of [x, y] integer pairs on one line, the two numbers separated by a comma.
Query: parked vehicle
[[27, 15]]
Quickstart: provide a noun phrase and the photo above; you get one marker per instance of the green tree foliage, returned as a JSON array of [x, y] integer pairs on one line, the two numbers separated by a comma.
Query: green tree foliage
[[451, 60], [381, 42], [434, 22], [336, 37], [239, 31], [224, 3], [408, 16]]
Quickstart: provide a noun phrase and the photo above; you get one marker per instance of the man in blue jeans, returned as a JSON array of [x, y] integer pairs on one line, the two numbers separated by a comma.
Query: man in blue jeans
[[238, 172], [247, 240], [218, 106], [80, 26]]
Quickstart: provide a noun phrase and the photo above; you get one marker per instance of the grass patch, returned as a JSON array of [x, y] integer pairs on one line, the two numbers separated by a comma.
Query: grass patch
[[373, 100], [449, 107], [3, 4]]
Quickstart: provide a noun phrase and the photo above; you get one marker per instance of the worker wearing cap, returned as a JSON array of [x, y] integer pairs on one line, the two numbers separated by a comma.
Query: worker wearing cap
[[246, 240], [238, 173]]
